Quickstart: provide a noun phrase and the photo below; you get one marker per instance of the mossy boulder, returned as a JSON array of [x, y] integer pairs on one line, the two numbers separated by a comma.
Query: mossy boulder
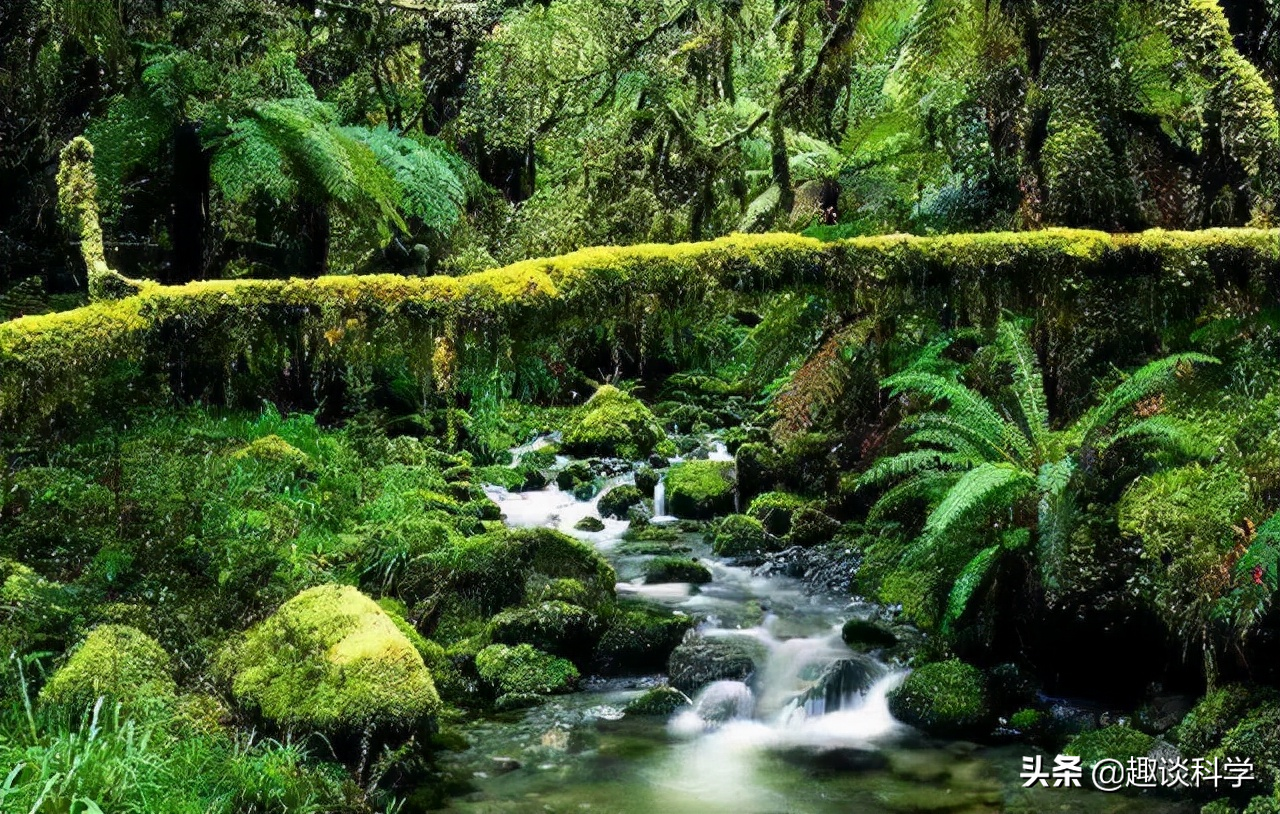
[[865, 634], [1257, 739], [945, 698], [524, 670], [756, 465], [700, 490], [740, 536], [1216, 714], [774, 510], [647, 480], [551, 554], [331, 660], [589, 523], [554, 626], [676, 569], [702, 660], [274, 450], [573, 475], [810, 526], [639, 638], [1110, 743], [615, 502], [658, 701], [611, 423], [118, 662]]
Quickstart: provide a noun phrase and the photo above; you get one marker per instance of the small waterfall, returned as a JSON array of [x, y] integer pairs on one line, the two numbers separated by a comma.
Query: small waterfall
[[660, 498]]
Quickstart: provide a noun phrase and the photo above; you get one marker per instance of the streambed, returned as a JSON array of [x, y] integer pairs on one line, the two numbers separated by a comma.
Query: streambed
[[789, 742]]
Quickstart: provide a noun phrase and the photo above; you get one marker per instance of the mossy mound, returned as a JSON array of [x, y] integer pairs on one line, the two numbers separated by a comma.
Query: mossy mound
[[615, 502], [700, 490], [614, 424], [574, 474], [864, 634], [118, 662], [331, 660], [946, 698], [589, 523], [555, 627], [1217, 713], [658, 701], [524, 670], [1110, 743], [639, 638], [676, 569], [552, 554], [649, 533], [774, 510], [274, 450], [740, 536], [810, 526], [702, 660], [647, 480], [1257, 739], [756, 465]]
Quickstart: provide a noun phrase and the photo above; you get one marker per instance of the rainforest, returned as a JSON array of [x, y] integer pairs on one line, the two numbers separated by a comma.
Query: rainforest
[[726, 406]]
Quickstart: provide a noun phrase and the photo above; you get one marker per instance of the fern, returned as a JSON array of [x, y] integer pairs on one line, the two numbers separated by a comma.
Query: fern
[[973, 576], [978, 491]]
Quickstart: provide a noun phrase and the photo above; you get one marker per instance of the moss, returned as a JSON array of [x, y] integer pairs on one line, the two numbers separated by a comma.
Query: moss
[[774, 510], [647, 533], [700, 490], [863, 633], [811, 526], [658, 701], [510, 479], [740, 536], [553, 554], [615, 502], [573, 474], [647, 480], [116, 661], [553, 626], [676, 569], [589, 523], [639, 638], [565, 590], [331, 660], [272, 449], [525, 670], [1217, 713], [943, 698], [1112, 742], [611, 423], [1256, 738]]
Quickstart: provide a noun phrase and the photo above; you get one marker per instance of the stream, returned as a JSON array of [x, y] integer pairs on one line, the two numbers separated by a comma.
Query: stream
[[812, 734]]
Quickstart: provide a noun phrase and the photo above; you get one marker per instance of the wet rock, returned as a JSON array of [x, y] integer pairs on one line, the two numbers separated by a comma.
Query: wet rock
[[724, 701], [502, 765], [840, 759], [945, 698], [615, 502], [573, 473], [639, 639], [841, 682], [866, 634], [675, 569], [1163, 713], [810, 526], [589, 523], [702, 660], [658, 701], [742, 537], [646, 480]]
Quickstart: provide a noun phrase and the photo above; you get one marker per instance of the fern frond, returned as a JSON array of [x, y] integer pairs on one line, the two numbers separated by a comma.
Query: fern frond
[[971, 579], [1028, 380], [909, 463], [1146, 381], [979, 492], [1170, 433], [975, 413], [926, 485], [1055, 518]]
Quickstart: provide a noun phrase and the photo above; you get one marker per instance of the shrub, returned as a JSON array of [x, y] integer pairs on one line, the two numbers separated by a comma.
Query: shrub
[[116, 661], [1257, 739], [331, 660], [1217, 713], [942, 698], [700, 490], [589, 523]]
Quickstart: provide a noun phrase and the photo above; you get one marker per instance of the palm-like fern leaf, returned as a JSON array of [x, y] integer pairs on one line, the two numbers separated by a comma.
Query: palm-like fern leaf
[[971, 579], [975, 413], [979, 491], [1147, 380], [1028, 380]]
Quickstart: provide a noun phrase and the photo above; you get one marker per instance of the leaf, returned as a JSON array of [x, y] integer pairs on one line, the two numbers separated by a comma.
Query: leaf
[[979, 491], [967, 584], [1146, 381]]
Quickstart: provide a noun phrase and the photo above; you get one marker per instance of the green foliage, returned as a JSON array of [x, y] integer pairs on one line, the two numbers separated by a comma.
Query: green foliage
[[1116, 742], [331, 660], [114, 662], [525, 670], [615, 502], [1256, 739], [700, 490], [942, 698]]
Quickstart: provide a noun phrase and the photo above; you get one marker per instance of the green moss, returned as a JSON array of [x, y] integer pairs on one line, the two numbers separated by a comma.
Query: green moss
[[676, 569], [1256, 738], [525, 670], [640, 638], [810, 526], [611, 423], [1217, 713], [774, 510], [574, 474], [589, 523], [658, 701], [740, 536], [615, 502], [646, 480], [554, 626], [943, 698], [648, 533], [700, 490], [331, 660], [116, 661], [1112, 742], [272, 449], [508, 478]]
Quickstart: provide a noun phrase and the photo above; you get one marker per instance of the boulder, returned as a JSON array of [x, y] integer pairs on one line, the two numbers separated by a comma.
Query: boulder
[[612, 423], [116, 662], [700, 490], [945, 698], [702, 660]]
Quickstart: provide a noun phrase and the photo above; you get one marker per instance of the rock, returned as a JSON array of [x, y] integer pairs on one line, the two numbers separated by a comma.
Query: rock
[[574, 473], [646, 480], [740, 536], [1163, 713], [676, 569], [700, 490], [774, 510], [331, 660], [639, 638], [586, 490], [658, 701], [502, 765], [702, 660], [525, 670], [755, 464], [810, 526], [589, 523], [864, 634], [723, 701], [119, 662], [612, 423], [554, 627], [1110, 743], [945, 698], [615, 502]]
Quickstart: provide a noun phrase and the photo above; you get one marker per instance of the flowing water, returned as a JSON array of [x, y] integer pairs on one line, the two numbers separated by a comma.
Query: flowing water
[[811, 734]]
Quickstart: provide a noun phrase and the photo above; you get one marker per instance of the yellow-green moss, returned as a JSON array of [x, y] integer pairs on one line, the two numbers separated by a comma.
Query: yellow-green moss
[[118, 662], [331, 660], [700, 489], [612, 423]]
